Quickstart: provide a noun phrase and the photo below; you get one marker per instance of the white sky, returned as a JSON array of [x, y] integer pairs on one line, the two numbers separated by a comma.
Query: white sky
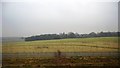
[[0, 19], [32, 17]]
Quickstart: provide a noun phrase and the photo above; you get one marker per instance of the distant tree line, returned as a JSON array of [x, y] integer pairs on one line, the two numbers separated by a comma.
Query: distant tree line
[[71, 35]]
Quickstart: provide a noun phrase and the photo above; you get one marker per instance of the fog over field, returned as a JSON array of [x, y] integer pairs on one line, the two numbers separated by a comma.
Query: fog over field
[[29, 17]]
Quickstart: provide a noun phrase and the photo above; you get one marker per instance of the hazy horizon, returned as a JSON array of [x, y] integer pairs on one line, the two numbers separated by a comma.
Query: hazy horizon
[[20, 19]]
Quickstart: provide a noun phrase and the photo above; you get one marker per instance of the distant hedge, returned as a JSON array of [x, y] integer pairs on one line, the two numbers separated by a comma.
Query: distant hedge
[[71, 35]]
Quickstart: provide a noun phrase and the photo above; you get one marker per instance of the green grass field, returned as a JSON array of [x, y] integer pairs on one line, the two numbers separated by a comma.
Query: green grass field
[[98, 44]]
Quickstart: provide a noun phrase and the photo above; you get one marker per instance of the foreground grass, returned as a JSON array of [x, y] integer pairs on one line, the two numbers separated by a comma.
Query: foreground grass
[[98, 44]]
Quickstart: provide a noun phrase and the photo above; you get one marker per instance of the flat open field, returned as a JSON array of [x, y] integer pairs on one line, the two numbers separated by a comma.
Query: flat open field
[[98, 44], [72, 46]]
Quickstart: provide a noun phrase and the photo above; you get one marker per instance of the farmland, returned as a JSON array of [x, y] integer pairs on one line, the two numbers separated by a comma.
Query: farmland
[[74, 45], [101, 44]]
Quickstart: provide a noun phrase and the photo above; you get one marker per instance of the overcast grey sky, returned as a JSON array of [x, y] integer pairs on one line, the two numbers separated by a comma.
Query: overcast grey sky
[[56, 16], [0, 19]]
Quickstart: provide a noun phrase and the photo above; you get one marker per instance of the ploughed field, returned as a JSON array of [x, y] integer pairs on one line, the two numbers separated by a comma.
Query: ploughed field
[[65, 53], [62, 62]]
